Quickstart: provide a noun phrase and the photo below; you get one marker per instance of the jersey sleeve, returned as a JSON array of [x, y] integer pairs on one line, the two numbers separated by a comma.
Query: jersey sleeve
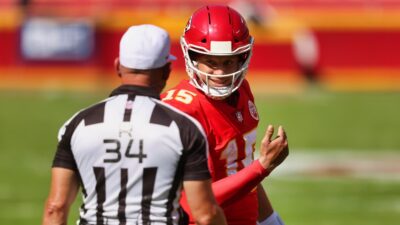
[[233, 187], [195, 149], [64, 157]]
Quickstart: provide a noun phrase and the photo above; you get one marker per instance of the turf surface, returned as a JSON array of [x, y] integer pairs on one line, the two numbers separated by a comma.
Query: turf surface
[[314, 120]]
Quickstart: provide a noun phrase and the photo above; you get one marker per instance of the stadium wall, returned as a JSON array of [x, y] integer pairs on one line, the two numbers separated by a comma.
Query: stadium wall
[[354, 43]]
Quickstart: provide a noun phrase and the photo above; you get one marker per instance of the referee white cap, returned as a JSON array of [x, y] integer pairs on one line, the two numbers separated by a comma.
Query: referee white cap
[[145, 47]]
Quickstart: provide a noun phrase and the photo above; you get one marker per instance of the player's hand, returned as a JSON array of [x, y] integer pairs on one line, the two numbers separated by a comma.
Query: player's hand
[[273, 152]]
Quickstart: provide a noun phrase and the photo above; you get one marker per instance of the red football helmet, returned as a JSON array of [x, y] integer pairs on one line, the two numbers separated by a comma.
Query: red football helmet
[[216, 30]]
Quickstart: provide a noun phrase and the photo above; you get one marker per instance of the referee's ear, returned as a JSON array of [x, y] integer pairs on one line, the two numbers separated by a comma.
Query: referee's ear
[[117, 67]]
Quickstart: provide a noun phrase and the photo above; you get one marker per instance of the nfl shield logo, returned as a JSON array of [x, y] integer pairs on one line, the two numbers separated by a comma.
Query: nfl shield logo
[[239, 116]]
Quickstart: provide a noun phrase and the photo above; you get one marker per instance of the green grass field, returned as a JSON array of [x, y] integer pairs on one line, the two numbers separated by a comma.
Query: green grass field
[[314, 120]]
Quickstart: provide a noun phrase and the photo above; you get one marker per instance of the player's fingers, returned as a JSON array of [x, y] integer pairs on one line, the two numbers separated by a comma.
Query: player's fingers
[[284, 134], [267, 137], [281, 133], [269, 132]]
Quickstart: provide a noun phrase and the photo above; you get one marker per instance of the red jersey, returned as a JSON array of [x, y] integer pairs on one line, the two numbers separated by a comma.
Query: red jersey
[[230, 127]]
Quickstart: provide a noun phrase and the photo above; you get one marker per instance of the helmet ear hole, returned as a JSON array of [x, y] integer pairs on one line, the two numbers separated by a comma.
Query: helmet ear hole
[[204, 40]]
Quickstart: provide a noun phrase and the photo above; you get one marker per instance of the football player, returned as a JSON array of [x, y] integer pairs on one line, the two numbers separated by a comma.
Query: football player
[[217, 48]]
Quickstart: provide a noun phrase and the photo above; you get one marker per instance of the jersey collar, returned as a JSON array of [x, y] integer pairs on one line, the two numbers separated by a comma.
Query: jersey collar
[[136, 90]]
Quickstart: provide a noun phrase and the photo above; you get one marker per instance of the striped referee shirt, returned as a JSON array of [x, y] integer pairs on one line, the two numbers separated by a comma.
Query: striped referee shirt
[[132, 152]]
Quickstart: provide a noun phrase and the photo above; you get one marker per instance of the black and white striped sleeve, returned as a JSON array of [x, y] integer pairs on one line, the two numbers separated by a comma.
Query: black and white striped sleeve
[[64, 157], [194, 163], [195, 149]]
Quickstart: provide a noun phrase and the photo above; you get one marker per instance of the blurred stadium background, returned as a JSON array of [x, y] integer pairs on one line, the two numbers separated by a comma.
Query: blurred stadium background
[[328, 70]]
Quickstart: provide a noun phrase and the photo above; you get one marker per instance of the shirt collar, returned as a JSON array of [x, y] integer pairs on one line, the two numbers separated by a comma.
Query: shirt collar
[[136, 90]]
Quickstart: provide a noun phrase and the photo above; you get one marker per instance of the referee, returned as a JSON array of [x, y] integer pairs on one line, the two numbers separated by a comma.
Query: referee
[[131, 154]]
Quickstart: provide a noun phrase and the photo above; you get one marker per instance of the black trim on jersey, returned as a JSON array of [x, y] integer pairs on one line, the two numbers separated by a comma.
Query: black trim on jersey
[[64, 157], [128, 111], [83, 188], [193, 141], [193, 162], [92, 115], [82, 221], [101, 193], [149, 178], [172, 193], [191, 166], [84, 193], [195, 146], [95, 114], [158, 116], [122, 197], [135, 90], [83, 208]]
